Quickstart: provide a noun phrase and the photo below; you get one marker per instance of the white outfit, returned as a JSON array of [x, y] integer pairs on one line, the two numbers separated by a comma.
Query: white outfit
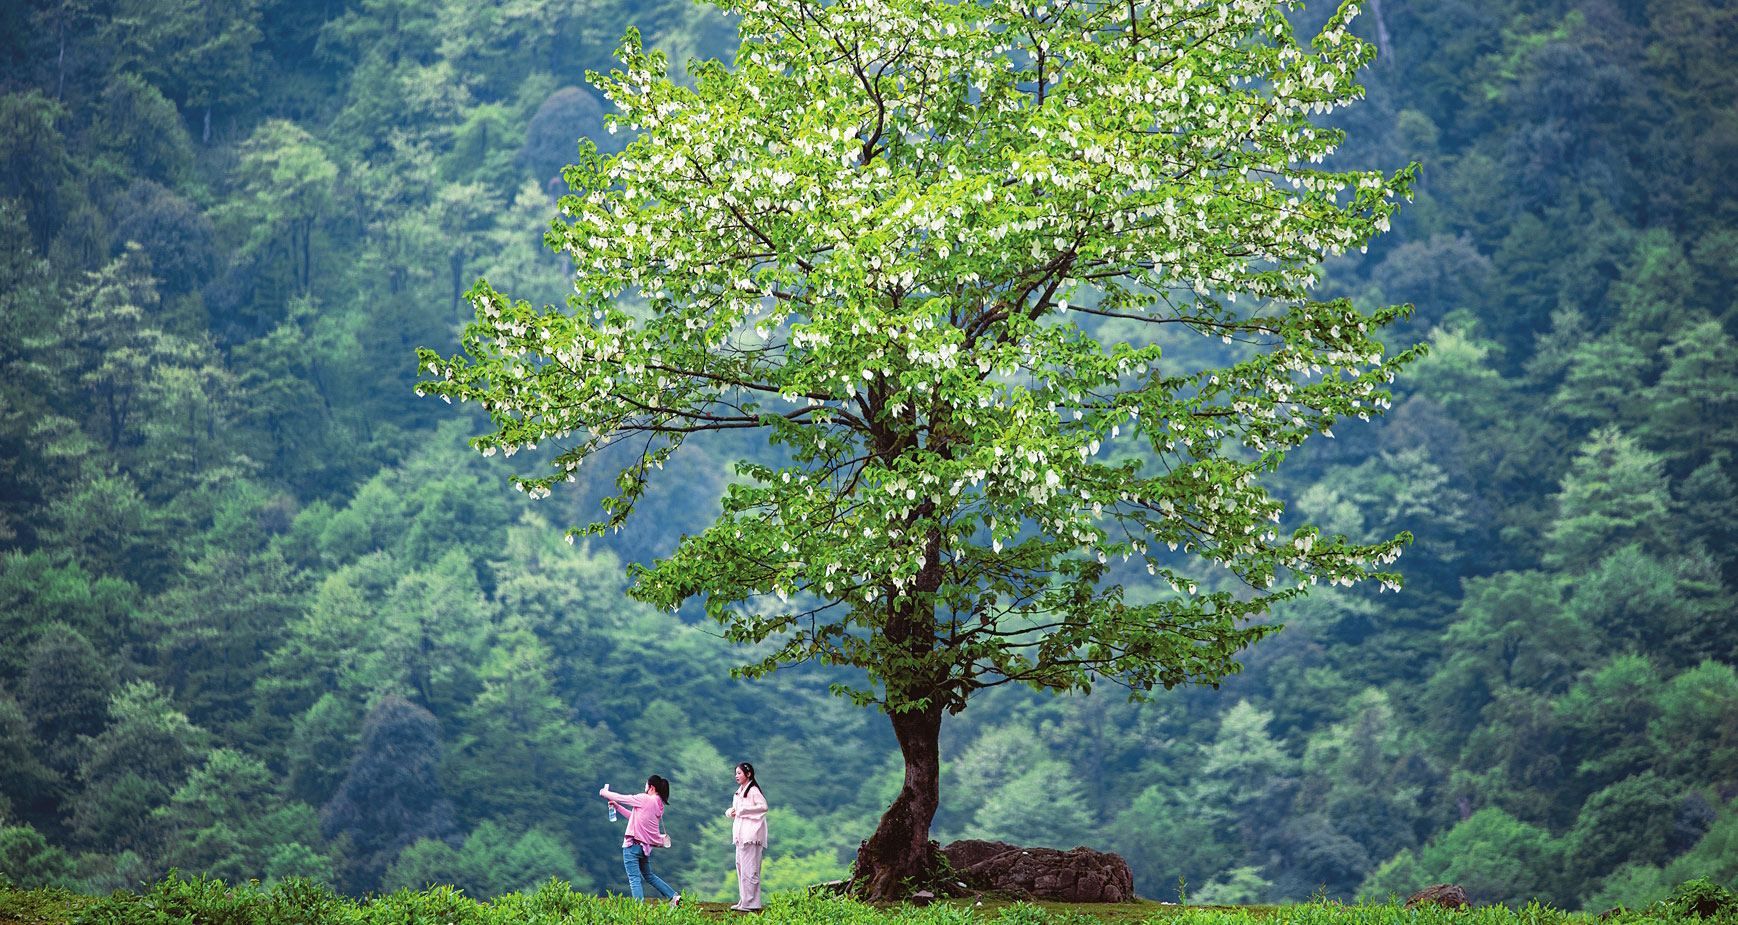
[[748, 831]]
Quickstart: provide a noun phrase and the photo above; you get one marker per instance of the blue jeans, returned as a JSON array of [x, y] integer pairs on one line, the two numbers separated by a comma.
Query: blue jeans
[[639, 868]]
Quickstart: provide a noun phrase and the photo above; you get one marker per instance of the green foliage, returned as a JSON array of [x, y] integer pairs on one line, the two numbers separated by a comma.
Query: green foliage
[[1042, 804], [284, 184], [229, 821], [1615, 494], [1240, 886], [36, 161], [902, 336], [64, 691], [142, 132], [1715, 854], [1493, 856], [1704, 899], [1632, 886], [1705, 699], [491, 862], [133, 768], [392, 795], [28, 861], [214, 470], [1629, 821]]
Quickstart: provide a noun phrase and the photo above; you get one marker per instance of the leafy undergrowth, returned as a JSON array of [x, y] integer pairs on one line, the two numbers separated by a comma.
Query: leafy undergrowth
[[210, 902]]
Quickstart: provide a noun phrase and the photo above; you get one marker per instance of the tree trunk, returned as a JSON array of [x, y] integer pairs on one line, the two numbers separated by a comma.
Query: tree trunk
[[898, 859]]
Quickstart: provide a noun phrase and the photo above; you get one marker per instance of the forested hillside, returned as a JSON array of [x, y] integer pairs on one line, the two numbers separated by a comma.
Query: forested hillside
[[264, 614]]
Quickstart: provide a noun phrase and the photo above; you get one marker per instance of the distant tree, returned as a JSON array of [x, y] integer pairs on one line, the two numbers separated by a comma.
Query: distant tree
[[133, 767], [1693, 408], [392, 795], [142, 132], [1511, 630], [493, 860], [108, 343], [1696, 730], [29, 862], [1671, 607], [65, 693], [1707, 509], [1239, 886], [1495, 858], [34, 162], [1042, 805], [870, 242], [495, 44], [287, 419], [1715, 856], [1438, 275], [323, 651], [430, 635], [1633, 886], [1392, 491], [1313, 854], [1247, 773], [426, 863], [522, 758], [207, 631], [1605, 718], [1627, 822], [993, 760], [321, 741], [173, 232], [33, 790], [1614, 494], [1600, 376], [39, 443], [229, 820], [552, 137], [108, 529], [285, 184], [1369, 782], [36, 592], [203, 54]]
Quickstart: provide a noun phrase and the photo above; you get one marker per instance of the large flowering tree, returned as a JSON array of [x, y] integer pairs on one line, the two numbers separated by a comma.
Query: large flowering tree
[[884, 239]]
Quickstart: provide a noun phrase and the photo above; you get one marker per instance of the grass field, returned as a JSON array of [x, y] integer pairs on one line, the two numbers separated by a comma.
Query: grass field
[[211, 902]]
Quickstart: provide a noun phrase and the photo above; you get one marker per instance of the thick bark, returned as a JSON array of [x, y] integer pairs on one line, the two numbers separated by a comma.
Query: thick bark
[[899, 858]]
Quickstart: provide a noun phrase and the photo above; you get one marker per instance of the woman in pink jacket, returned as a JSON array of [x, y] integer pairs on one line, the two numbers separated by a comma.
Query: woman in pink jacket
[[644, 811], [748, 831]]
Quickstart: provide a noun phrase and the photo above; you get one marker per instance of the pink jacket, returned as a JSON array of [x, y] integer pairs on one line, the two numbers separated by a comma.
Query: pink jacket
[[750, 825], [647, 811]]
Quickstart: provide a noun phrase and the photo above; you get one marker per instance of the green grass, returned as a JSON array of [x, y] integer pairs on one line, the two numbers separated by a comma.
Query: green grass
[[202, 901]]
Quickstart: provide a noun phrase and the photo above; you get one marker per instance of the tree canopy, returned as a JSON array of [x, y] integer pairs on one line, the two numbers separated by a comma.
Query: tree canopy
[[888, 240]]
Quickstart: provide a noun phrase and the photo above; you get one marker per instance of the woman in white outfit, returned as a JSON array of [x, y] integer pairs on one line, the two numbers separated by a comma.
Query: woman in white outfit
[[748, 831]]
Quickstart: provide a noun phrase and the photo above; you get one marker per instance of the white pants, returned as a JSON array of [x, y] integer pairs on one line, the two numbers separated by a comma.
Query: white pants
[[748, 875]]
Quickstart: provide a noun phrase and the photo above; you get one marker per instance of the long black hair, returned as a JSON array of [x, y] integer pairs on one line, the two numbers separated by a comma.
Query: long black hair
[[662, 786], [748, 769]]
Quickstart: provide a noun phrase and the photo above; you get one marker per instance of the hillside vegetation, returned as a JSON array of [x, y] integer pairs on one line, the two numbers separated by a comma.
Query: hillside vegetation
[[264, 615]]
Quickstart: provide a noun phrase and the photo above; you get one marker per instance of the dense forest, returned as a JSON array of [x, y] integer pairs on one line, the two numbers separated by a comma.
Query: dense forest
[[266, 615]]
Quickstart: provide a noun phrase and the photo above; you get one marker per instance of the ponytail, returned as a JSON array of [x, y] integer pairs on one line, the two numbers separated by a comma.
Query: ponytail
[[748, 769]]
